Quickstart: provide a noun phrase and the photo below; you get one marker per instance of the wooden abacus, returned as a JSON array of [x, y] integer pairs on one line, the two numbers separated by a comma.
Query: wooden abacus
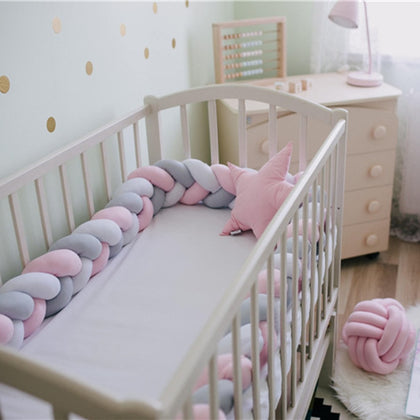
[[249, 48]]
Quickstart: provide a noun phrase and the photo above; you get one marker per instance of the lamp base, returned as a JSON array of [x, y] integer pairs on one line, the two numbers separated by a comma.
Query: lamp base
[[364, 79]]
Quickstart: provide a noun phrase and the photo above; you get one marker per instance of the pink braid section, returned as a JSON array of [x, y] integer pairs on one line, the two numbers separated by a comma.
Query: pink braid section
[[48, 282]]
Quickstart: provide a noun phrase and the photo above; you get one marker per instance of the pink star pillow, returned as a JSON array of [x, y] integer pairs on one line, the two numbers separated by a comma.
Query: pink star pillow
[[259, 194]]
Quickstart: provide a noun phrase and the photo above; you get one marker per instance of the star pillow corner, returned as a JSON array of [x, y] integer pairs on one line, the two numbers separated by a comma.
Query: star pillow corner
[[259, 194]]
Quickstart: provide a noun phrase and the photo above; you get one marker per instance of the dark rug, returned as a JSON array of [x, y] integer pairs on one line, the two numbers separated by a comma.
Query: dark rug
[[321, 411]]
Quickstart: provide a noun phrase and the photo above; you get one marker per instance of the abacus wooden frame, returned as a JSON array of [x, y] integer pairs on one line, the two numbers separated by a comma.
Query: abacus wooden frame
[[218, 49]]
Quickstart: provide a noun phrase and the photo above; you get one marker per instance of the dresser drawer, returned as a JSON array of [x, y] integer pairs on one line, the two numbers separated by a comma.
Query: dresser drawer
[[365, 238], [371, 130], [287, 131], [369, 170], [367, 205]]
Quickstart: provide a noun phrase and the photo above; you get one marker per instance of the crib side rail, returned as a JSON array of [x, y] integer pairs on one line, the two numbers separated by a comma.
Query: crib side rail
[[28, 200], [64, 393], [11, 184], [325, 173], [245, 94]]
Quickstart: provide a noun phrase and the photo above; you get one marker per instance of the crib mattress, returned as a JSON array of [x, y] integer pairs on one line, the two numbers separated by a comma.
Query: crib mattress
[[131, 326]]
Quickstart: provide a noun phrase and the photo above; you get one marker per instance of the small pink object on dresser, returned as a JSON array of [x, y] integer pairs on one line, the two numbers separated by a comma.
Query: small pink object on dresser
[[378, 335]]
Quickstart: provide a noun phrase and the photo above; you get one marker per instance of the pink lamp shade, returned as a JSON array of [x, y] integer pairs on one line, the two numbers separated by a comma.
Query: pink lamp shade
[[346, 13]]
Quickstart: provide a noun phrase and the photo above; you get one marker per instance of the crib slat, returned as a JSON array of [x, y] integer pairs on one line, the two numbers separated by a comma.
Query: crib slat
[[335, 221], [214, 395], [318, 264], [19, 228], [271, 336], [325, 213], [303, 338], [237, 373], [331, 230], [283, 326], [272, 130], [295, 307], [312, 320], [60, 414], [242, 139], [255, 352], [303, 129], [214, 141], [187, 409], [121, 150], [67, 198], [43, 210], [185, 131], [328, 227], [88, 189], [321, 247], [137, 147], [106, 171]]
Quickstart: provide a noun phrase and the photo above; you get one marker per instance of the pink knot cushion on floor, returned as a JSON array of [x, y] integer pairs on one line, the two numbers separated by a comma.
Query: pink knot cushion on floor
[[378, 335], [372, 396]]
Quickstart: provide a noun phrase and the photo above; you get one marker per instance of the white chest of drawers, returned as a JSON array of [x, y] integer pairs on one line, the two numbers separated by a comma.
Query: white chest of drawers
[[372, 140]]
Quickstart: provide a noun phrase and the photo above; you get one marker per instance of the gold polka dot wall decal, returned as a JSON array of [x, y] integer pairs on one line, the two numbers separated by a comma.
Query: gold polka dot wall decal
[[146, 53], [155, 7], [51, 124], [4, 84], [123, 29], [173, 42], [89, 68], [56, 24], [187, 3]]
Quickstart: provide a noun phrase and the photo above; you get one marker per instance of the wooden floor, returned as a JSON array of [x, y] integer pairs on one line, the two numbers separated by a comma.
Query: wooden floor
[[394, 273]]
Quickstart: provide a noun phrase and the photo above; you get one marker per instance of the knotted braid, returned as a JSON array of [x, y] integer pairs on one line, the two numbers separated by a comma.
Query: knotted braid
[[378, 335], [48, 282]]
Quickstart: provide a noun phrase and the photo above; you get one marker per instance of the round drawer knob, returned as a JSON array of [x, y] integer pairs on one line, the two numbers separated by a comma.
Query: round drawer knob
[[265, 147], [372, 240], [376, 171], [379, 132], [373, 206]]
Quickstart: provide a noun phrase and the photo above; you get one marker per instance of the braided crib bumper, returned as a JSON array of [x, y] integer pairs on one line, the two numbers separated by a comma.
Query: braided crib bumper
[[48, 282], [378, 335]]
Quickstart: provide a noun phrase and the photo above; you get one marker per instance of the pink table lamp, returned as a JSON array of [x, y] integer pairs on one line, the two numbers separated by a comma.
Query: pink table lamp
[[346, 13]]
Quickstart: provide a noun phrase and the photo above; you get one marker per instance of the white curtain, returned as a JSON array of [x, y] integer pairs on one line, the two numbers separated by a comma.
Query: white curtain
[[395, 37]]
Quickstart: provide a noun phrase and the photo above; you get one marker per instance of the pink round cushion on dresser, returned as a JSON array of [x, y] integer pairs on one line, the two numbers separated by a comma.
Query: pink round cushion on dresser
[[378, 335]]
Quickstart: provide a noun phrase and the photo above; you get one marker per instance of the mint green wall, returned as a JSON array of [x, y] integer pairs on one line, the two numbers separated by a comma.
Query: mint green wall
[[47, 70], [298, 27]]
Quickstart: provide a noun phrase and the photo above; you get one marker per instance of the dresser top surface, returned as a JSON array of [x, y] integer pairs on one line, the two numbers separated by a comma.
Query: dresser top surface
[[329, 89]]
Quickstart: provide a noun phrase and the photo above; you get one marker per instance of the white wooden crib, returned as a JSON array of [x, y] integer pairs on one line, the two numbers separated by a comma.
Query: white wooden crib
[[118, 348]]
